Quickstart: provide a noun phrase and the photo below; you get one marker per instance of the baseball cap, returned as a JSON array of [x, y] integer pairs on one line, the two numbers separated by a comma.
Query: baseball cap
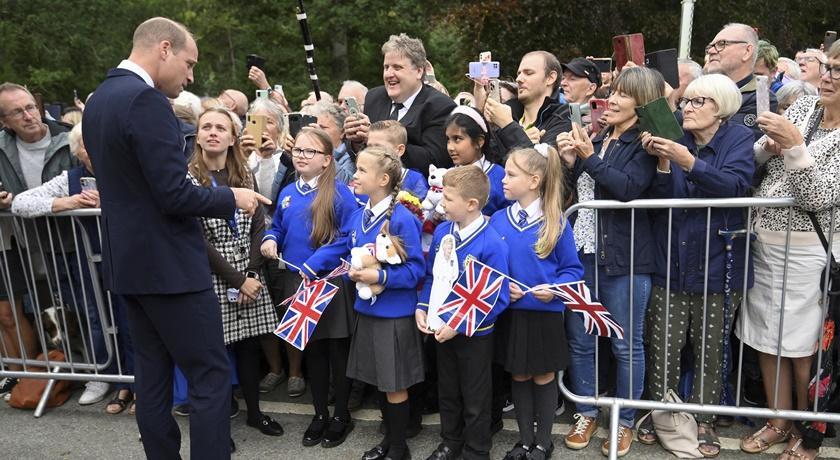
[[583, 68]]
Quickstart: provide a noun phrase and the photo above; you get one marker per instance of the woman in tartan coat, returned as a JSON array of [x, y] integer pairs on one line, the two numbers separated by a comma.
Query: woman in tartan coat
[[233, 247]]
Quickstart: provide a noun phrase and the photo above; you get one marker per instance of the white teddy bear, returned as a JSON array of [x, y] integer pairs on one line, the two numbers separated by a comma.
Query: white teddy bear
[[434, 197], [373, 256]]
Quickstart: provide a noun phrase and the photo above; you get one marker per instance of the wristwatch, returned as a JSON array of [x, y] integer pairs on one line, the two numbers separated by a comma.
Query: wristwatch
[[252, 274]]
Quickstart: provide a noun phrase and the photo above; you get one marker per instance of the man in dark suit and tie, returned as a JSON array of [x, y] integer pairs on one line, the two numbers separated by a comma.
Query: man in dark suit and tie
[[422, 109], [153, 247]]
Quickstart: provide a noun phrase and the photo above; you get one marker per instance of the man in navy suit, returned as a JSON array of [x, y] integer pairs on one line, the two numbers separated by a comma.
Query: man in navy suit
[[422, 109], [153, 247]]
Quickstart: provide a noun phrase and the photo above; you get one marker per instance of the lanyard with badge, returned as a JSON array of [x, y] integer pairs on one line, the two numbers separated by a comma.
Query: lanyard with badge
[[231, 222]]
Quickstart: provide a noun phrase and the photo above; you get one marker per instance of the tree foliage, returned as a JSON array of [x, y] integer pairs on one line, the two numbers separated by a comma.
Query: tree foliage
[[55, 47]]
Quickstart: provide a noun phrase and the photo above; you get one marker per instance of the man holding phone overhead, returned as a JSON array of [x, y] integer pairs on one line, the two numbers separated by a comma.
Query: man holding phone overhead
[[421, 109], [733, 53], [536, 116], [162, 272]]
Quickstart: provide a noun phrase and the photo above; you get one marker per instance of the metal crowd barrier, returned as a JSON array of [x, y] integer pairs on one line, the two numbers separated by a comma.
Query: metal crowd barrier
[[747, 204], [52, 266]]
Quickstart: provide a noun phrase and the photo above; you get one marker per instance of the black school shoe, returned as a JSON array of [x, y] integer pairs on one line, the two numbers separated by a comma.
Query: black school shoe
[[267, 426], [337, 432], [377, 453], [443, 452], [519, 452], [539, 452], [7, 384], [315, 432]]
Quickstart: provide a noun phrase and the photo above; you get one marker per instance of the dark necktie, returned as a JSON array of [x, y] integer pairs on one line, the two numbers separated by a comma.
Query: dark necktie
[[306, 188], [523, 218], [457, 236], [395, 111], [368, 217]]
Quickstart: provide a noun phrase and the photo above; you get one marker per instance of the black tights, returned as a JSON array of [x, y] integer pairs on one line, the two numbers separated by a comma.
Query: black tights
[[322, 356], [248, 352]]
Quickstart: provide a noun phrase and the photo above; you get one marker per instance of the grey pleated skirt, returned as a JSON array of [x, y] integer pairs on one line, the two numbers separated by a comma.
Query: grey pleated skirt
[[386, 352]]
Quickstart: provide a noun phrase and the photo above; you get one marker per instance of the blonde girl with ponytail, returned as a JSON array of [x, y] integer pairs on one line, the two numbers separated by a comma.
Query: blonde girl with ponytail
[[542, 252], [386, 349]]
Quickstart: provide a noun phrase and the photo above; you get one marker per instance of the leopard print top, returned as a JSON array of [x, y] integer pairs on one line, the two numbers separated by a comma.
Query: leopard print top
[[815, 188]]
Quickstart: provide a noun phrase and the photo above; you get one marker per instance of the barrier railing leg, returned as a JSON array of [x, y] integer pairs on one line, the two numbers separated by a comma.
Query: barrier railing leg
[[42, 404], [615, 410]]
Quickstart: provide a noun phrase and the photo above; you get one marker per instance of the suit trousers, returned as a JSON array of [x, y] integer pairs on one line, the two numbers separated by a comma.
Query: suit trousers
[[182, 329], [465, 394]]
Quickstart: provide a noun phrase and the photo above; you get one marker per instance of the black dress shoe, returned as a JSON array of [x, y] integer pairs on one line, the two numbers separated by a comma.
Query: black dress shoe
[[377, 453], [232, 446], [443, 453], [519, 452], [337, 432], [267, 426], [315, 432], [541, 453]]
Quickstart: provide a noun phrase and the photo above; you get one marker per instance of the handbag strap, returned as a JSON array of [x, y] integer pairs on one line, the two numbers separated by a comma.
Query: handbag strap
[[823, 240]]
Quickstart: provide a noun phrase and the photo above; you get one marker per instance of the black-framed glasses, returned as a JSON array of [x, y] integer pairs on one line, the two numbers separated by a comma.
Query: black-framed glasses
[[720, 45], [305, 153], [18, 113], [833, 71], [696, 102]]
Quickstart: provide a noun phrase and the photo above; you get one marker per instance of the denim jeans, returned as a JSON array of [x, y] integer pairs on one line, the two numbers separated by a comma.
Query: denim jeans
[[614, 293]]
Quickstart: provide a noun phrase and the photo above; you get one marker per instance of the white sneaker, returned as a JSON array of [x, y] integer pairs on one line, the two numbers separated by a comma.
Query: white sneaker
[[94, 392]]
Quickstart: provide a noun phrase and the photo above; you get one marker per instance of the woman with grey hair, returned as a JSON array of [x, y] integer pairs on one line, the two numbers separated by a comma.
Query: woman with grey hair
[[802, 153], [331, 119], [792, 91], [695, 294]]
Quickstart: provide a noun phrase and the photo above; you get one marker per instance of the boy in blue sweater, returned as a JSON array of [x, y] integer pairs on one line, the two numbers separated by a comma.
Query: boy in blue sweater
[[393, 136], [463, 362]]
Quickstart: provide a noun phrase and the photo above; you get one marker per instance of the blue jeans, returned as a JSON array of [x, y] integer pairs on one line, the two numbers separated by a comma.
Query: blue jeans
[[614, 292]]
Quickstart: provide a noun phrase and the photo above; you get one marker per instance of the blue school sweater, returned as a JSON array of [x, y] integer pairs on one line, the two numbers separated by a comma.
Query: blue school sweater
[[399, 298], [415, 183], [496, 200], [412, 182], [561, 266], [292, 223], [486, 246]]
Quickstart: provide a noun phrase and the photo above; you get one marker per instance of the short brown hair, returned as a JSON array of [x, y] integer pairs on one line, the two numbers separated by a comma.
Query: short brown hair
[[470, 182], [155, 30], [393, 129], [552, 64]]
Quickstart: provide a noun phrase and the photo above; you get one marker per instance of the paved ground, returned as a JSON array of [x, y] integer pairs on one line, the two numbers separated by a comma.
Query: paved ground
[[76, 432]]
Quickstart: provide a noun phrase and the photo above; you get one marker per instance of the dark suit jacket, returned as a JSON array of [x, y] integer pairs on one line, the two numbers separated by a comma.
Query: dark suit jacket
[[424, 123], [152, 242]]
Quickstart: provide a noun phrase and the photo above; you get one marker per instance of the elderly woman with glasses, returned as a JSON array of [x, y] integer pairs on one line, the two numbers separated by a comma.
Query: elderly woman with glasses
[[802, 153], [696, 290], [809, 65]]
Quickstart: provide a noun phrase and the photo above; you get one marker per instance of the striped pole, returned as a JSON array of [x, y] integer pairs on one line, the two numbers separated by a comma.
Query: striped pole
[[309, 48]]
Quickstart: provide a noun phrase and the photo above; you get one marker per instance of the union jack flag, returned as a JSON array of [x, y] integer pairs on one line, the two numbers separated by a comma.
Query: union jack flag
[[305, 311], [472, 298], [596, 318], [342, 269]]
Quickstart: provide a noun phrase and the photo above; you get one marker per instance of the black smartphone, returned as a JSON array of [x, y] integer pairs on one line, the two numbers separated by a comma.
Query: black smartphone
[[253, 60], [604, 65], [665, 61], [298, 120]]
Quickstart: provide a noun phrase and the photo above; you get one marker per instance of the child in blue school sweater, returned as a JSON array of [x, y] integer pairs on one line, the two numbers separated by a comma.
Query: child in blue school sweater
[[391, 135], [315, 210], [386, 349], [463, 362], [467, 144], [542, 252]]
